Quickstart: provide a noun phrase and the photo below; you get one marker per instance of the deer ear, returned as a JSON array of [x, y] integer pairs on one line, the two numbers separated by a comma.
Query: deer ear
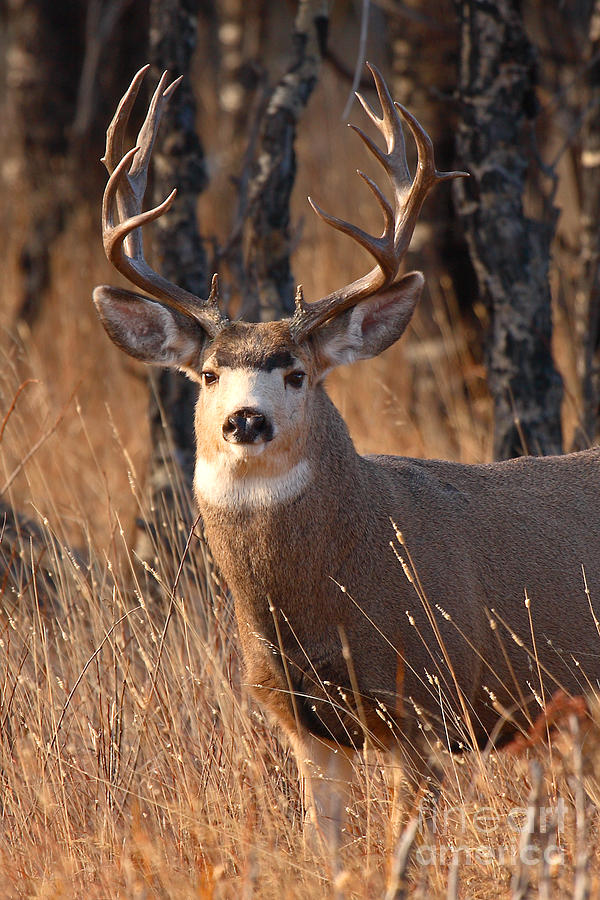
[[147, 330], [371, 326]]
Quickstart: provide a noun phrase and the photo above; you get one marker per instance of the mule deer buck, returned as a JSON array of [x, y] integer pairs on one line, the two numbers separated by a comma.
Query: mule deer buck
[[345, 637]]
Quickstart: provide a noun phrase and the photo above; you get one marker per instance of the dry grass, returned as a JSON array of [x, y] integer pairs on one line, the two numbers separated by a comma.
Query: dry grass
[[134, 764], [132, 761]]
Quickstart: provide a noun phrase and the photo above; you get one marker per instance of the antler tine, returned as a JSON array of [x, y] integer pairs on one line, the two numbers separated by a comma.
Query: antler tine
[[124, 192], [394, 162], [129, 201], [115, 133], [409, 194]]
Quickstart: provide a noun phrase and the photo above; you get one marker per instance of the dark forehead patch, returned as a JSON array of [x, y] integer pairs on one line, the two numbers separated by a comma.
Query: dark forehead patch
[[252, 358], [252, 346]]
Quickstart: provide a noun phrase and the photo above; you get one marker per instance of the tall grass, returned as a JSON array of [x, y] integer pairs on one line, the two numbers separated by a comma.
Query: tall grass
[[132, 761]]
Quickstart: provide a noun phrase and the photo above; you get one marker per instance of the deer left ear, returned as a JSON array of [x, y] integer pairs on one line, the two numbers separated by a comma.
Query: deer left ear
[[371, 326]]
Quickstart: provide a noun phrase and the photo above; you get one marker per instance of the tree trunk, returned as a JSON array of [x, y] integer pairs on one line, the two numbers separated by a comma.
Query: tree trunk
[[42, 81], [268, 231], [179, 256], [66, 63], [510, 251], [588, 297]]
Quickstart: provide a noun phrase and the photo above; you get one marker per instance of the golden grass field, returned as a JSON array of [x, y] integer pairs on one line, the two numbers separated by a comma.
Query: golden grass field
[[132, 761]]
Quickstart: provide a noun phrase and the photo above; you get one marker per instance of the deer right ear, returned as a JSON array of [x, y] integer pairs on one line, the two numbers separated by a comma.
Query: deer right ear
[[149, 331], [371, 326]]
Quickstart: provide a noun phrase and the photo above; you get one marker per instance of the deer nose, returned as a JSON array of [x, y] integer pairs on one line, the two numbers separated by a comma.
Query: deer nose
[[245, 426]]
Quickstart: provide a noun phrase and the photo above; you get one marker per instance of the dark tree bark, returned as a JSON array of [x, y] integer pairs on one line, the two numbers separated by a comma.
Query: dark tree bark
[[510, 251], [178, 160], [588, 297], [268, 224], [42, 80]]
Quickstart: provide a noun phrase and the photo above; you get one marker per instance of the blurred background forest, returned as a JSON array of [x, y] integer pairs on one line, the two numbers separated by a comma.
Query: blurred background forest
[[501, 357]]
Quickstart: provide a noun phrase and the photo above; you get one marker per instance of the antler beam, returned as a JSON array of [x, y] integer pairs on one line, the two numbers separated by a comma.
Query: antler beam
[[122, 216], [399, 222]]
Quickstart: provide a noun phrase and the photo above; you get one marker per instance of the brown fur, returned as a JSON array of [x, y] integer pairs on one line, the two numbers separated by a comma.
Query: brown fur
[[338, 641]]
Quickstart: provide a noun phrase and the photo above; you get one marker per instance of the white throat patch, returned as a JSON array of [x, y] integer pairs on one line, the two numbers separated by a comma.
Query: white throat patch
[[216, 485]]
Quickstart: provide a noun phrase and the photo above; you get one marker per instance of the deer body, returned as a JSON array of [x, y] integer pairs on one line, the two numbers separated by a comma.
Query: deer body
[[479, 537], [345, 637]]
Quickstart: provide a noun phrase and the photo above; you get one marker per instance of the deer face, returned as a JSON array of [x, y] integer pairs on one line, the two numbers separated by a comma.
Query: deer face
[[253, 406], [256, 416]]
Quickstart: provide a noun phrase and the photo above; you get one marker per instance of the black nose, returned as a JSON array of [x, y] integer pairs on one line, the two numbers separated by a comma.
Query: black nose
[[246, 426]]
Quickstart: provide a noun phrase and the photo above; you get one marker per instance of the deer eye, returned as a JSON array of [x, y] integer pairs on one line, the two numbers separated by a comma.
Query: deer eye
[[209, 378], [295, 379]]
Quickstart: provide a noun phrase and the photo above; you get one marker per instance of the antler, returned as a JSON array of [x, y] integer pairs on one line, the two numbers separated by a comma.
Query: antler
[[399, 223], [125, 190]]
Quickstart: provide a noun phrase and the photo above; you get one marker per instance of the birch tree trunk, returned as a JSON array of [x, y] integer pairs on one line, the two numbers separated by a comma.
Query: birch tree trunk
[[510, 251], [268, 226]]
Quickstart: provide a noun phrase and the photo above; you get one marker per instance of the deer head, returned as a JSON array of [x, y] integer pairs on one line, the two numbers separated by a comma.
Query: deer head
[[258, 382]]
